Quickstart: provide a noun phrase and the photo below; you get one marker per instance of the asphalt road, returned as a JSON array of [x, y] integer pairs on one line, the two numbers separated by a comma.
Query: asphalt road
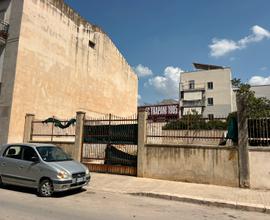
[[19, 203]]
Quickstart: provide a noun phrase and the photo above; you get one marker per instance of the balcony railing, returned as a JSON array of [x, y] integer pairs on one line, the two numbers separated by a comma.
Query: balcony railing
[[4, 30], [192, 87], [194, 103]]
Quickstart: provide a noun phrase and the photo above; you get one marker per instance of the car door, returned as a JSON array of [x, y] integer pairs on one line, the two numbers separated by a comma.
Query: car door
[[10, 165], [30, 167]]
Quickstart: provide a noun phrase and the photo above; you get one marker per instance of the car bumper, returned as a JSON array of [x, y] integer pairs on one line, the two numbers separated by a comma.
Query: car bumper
[[64, 185]]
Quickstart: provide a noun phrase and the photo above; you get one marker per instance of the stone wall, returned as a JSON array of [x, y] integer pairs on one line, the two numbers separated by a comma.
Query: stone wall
[[259, 163], [197, 164], [59, 70]]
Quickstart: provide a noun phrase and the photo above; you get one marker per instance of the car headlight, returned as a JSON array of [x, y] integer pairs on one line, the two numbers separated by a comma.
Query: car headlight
[[87, 171], [63, 175]]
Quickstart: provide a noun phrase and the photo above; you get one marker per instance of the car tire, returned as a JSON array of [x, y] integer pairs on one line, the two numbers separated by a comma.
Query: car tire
[[79, 189], [45, 188], [1, 183]]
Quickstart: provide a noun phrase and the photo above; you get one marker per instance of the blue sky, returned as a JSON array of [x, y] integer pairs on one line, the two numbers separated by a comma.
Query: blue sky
[[162, 38]]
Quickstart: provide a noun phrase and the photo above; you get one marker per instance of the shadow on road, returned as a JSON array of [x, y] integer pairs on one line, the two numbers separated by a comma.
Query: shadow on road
[[34, 191], [68, 193]]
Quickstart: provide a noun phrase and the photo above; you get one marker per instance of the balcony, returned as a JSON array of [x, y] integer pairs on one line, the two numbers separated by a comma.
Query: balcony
[[188, 87], [3, 32], [193, 103]]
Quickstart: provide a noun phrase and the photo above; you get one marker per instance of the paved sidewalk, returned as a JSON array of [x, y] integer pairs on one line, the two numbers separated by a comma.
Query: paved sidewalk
[[221, 196]]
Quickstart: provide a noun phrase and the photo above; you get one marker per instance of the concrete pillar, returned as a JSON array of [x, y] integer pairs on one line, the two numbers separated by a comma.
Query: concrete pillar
[[28, 127], [79, 135], [242, 115], [142, 117]]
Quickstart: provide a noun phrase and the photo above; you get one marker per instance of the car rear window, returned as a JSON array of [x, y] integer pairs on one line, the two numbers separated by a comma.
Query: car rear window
[[14, 152]]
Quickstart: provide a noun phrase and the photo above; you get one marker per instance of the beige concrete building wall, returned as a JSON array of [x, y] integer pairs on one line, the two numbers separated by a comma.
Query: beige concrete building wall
[[221, 92], [58, 73], [8, 57], [209, 165]]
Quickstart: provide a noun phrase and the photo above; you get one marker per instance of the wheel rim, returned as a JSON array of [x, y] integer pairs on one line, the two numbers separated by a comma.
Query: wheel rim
[[46, 189]]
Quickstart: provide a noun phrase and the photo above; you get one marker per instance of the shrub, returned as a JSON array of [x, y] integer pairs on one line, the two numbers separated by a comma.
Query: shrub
[[195, 122]]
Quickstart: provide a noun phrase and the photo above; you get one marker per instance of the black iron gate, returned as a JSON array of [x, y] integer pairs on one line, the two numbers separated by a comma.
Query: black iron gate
[[110, 145]]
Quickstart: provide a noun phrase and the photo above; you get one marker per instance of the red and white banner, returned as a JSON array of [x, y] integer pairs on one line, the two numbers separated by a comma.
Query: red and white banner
[[161, 112]]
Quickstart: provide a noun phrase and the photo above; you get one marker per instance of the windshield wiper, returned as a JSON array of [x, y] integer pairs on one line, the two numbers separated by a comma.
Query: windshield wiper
[[68, 159]]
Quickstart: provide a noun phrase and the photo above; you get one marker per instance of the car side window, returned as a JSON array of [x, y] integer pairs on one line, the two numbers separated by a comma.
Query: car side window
[[29, 153], [14, 152]]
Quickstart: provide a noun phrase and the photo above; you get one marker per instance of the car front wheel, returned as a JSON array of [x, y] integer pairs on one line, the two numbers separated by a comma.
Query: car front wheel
[[1, 183], [45, 188]]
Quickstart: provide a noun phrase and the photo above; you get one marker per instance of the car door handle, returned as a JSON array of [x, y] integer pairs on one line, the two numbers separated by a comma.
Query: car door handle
[[21, 167], [3, 164]]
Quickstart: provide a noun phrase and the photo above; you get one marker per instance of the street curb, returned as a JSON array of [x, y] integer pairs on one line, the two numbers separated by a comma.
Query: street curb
[[208, 202]]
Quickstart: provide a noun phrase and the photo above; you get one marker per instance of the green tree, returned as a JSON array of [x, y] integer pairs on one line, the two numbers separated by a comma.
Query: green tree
[[236, 82], [257, 107]]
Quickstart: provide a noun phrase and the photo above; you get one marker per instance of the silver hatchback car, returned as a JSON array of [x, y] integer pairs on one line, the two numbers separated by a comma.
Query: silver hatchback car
[[45, 167]]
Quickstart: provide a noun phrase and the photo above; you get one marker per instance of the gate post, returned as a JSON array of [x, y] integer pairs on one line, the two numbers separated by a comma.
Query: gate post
[[142, 117], [243, 154], [79, 135], [28, 129]]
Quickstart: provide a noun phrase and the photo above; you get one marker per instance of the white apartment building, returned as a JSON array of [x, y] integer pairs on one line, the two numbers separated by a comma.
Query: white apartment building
[[261, 91], [208, 91]]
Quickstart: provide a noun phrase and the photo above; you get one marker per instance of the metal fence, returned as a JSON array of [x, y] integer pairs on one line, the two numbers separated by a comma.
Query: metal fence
[[42, 131], [259, 131], [111, 130], [110, 144], [4, 29], [96, 153], [189, 130]]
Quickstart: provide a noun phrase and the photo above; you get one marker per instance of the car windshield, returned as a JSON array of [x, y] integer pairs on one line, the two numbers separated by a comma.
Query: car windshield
[[52, 154]]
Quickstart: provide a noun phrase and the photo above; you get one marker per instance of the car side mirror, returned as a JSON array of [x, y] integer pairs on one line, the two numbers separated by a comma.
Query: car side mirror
[[35, 159]]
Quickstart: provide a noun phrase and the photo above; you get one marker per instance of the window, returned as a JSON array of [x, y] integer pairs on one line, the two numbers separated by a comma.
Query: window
[[210, 101], [210, 85], [181, 95], [91, 44], [191, 84], [14, 152], [29, 153], [211, 116]]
